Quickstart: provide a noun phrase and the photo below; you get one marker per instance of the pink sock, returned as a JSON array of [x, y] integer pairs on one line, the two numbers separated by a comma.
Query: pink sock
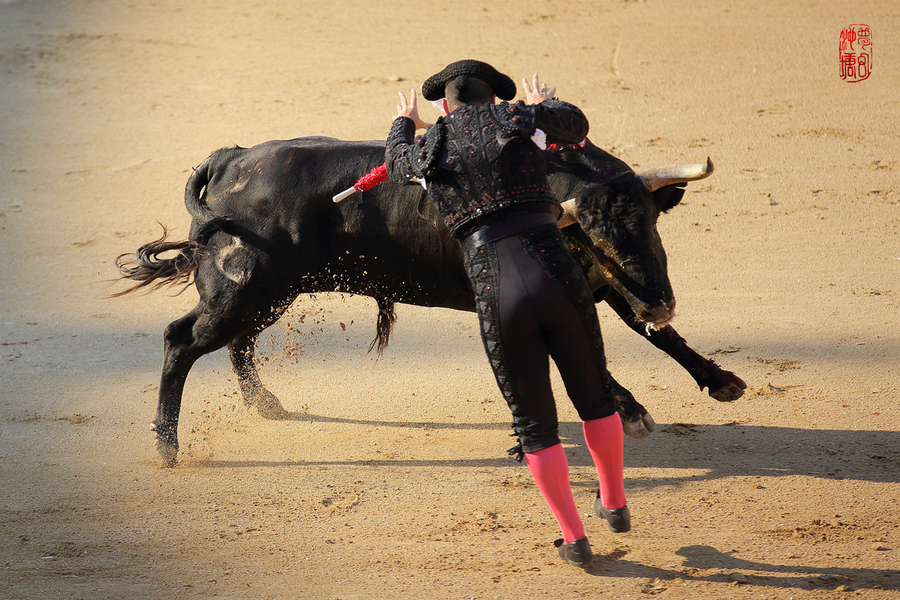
[[605, 440], [550, 470]]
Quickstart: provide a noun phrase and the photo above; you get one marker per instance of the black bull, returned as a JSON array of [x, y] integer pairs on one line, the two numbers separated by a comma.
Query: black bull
[[265, 229]]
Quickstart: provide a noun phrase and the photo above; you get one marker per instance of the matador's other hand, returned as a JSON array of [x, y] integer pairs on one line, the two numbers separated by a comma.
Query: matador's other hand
[[410, 109]]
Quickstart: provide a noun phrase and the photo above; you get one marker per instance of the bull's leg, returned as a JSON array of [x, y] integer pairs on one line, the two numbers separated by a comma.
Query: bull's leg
[[205, 329], [255, 394], [723, 385], [180, 354]]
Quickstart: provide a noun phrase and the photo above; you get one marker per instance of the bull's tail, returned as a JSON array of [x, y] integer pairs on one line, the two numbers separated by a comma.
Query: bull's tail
[[195, 199], [147, 268], [150, 271], [386, 318]]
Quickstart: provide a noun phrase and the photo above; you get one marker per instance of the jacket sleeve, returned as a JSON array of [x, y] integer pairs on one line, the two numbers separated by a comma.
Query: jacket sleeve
[[400, 150], [563, 123]]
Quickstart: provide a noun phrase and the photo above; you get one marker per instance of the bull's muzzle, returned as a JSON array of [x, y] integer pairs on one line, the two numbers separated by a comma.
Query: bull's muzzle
[[657, 315]]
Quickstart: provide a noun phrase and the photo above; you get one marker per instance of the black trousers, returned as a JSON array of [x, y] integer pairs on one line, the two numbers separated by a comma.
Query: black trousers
[[533, 304]]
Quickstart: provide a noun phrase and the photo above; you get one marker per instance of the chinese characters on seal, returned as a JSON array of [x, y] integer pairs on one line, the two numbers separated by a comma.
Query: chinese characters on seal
[[855, 50]]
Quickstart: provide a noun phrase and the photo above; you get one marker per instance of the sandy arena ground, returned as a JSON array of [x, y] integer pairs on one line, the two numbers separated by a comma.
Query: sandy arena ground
[[391, 480]]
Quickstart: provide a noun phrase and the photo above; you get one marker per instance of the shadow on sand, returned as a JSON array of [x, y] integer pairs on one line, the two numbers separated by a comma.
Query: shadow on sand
[[740, 451], [699, 560]]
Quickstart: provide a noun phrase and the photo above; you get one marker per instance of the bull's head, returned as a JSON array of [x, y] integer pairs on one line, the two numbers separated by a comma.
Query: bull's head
[[619, 215]]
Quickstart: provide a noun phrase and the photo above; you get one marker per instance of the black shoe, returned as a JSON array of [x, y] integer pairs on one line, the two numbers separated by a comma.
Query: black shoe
[[577, 553], [618, 519]]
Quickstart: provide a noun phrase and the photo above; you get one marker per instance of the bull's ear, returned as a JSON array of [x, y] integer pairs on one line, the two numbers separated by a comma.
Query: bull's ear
[[668, 197]]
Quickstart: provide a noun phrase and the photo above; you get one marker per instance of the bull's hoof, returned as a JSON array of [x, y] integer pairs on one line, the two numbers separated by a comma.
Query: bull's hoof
[[275, 413], [636, 421], [266, 404], [166, 444], [168, 453], [638, 428], [731, 391], [271, 409]]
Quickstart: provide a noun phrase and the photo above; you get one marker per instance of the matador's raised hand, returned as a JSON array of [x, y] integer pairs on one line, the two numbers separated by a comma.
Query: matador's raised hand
[[536, 93]]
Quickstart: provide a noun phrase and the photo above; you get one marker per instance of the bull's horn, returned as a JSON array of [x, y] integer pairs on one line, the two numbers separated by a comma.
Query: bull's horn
[[568, 214], [658, 177]]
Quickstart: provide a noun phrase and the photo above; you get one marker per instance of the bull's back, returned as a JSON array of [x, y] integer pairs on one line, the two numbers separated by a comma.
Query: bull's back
[[388, 242], [290, 173]]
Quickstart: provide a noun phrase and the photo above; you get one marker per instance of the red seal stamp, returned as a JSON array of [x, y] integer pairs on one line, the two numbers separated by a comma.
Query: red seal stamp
[[855, 51]]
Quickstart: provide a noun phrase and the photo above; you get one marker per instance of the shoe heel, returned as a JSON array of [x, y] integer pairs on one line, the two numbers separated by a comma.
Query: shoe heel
[[577, 553], [618, 519]]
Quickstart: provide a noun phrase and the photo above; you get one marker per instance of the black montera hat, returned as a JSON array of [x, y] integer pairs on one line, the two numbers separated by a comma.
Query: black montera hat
[[503, 85]]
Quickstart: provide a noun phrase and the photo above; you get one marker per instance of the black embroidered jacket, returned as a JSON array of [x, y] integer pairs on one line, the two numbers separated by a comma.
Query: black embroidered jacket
[[480, 158]]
